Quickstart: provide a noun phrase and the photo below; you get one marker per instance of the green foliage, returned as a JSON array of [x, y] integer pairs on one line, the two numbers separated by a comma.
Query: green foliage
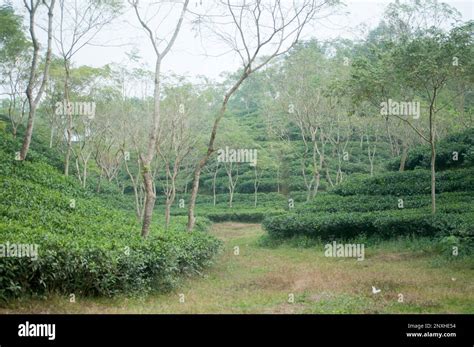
[[12, 38], [447, 202], [97, 263], [247, 216], [94, 248], [370, 206], [89, 247], [346, 225], [408, 183], [420, 156]]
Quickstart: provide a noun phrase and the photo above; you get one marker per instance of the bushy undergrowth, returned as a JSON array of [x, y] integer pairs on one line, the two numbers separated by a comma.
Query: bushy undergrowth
[[85, 246], [458, 202], [276, 200], [457, 150], [248, 216], [370, 207], [243, 208], [383, 224], [407, 183], [240, 213], [93, 263]]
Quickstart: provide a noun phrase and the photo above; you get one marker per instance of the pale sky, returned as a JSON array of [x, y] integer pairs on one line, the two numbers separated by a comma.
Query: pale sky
[[194, 56]]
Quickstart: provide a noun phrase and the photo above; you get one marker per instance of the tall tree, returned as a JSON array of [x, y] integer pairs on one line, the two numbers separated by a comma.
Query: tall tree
[[178, 105], [14, 50], [426, 65], [146, 157], [80, 21], [261, 31], [33, 96]]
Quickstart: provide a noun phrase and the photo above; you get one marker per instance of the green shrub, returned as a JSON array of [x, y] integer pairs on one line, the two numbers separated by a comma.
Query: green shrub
[[458, 202], [95, 264], [408, 183], [249, 216], [384, 224], [91, 248], [420, 156]]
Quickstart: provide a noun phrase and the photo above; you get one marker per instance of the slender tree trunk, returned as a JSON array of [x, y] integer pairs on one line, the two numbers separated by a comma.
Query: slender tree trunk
[[150, 195], [100, 181], [371, 156], [68, 151], [232, 183], [317, 171], [33, 101], [84, 173], [318, 177], [69, 119], [78, 171], [308, 183], [147, 158], [371, 167], [135, 189], [51, 137], [150, 198], [339, 170], [194, 192], [170, 200], [11, 108], [328, 176], [214, 185], [137, 203], [210, 150], [403, 159], [433, 155], [231, 196], [29, 131], [255, 185], [316, 185], [339, 176], [433, 178], [167, 212]]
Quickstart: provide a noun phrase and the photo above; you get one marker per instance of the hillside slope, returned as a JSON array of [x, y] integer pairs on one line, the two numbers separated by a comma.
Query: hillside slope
[[84, 246]]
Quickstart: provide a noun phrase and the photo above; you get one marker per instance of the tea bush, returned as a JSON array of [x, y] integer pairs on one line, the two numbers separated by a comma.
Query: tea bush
[[459, 202], [384, 224], [420, 156], [247, 216], [89, 247], [408, 183], [370, 206], [96, 263]]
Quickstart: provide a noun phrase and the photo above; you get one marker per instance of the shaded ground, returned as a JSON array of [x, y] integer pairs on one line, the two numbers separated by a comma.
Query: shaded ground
[[262, 280]]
